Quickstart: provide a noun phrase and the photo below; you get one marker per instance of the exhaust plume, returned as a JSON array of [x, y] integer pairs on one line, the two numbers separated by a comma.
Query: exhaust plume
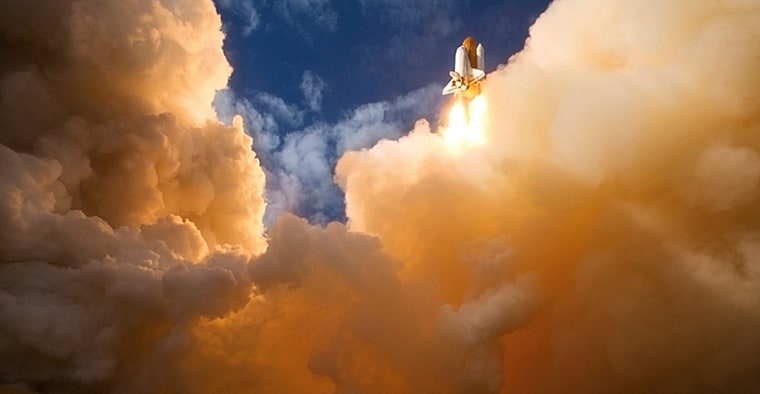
[[128, 213], [621, 170]]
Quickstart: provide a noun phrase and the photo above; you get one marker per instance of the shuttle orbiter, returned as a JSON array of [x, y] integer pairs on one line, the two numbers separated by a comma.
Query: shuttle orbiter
[[465, 79]]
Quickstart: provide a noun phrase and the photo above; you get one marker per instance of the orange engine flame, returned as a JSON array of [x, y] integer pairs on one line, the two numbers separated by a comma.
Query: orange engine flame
[[466, 124]]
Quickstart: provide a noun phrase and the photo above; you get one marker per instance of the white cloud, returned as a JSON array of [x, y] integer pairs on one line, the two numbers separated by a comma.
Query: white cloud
[[312, 87], [299, 166], [260, 125], [245, 11], [307, 158], [290, 114]]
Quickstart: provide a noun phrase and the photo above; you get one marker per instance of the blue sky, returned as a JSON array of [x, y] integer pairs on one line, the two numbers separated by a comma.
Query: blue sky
[[314, 78]]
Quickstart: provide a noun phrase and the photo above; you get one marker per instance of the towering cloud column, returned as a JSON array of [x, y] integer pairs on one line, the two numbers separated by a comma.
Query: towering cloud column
[[128, 212]]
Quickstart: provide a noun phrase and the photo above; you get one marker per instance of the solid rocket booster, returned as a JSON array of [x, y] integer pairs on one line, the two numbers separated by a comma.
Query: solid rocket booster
[[465, 79], [481, 55]]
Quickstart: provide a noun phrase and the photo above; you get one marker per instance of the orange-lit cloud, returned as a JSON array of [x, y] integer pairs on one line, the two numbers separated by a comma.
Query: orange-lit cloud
[[621, 172], [128, 212]]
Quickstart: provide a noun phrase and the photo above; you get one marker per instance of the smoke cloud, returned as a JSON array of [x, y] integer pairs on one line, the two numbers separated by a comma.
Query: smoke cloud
[[621, 170], [602, 240], [128, 214]]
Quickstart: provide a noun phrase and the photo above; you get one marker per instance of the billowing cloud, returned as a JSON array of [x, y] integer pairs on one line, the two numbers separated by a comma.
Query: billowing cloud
[[286, 113], [602, 240], [299, 164], [621, 168], [307, 157], [263, 124], [128, 212]]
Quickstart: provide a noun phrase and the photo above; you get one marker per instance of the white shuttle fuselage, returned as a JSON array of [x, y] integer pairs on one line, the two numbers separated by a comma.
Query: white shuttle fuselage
[[465, 79]]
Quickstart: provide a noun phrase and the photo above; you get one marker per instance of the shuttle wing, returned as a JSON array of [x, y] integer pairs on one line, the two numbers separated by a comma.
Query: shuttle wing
[[477, 75], [449, 88], [460, 83], [454, 86]]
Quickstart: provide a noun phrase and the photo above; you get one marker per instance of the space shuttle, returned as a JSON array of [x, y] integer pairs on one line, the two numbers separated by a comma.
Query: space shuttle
[[469, 62]]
